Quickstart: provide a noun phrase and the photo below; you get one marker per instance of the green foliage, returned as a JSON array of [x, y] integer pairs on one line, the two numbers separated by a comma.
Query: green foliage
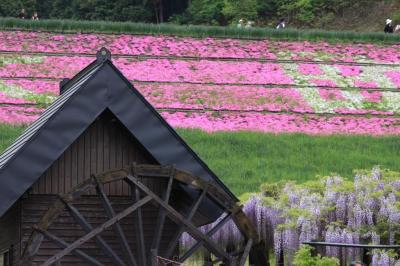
[[8, 134], [303, 257], [305, 13], [240, 9], [207, 12]]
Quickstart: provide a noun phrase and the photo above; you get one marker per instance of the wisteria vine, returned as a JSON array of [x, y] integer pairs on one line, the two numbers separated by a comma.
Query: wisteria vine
[[365, 210]]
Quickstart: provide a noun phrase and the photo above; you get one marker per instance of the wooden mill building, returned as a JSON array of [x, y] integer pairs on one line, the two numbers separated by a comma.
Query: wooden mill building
[[98, 123]]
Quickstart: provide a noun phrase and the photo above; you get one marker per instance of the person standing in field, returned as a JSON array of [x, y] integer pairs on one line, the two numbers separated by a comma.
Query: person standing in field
[[240, 24], [281, 24], [22, 14], [35, 16], [388, 27]]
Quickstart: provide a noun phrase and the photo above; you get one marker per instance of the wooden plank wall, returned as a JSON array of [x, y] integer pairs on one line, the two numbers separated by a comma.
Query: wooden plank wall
[[9, 230], [105, 145]]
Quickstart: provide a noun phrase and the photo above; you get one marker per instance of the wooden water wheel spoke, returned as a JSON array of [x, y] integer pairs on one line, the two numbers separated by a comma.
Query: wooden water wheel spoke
[[118, 229], [139, 226], [210, 233], [86, 226], [161, 212], [246, 252], [63, 244], [97, 231], [173, 214], [193, 210]]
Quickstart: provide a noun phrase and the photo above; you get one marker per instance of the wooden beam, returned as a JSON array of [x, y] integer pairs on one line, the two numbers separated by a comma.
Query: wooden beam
[[63, 244], [97, 231], [140, 244], [198, 245], [161, 212], [246, 252], [118, 229], [192, 230], [176, 237], [153, 257], [99, 240]]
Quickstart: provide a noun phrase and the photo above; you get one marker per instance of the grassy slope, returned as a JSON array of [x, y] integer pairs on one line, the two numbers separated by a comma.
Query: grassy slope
[[244, 160]]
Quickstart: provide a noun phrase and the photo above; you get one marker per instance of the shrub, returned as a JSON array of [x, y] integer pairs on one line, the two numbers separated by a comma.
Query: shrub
[[303, 257]]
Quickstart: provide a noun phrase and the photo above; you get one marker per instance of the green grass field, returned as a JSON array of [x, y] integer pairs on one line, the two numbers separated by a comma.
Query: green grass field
[[244, 160]]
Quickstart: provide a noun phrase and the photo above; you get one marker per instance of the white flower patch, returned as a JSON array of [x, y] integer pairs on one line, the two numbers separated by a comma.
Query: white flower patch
[[353, 100], [333, 73], [377, 74], [390, 101], [18, 92], [292, 71], [283, 54], [6, 60]]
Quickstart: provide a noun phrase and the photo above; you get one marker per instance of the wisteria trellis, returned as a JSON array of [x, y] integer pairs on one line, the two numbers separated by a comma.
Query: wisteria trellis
[[363, 211]]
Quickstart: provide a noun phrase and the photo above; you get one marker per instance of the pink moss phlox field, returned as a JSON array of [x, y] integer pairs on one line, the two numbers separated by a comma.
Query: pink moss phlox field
[[204, 71], [349, 71], [16, 115], [331, 94], [323, 83], [365, 84], [285, 123], [373, 97], [219, 95], [186, 46], [395, 77], [224, 97], [310, 69]]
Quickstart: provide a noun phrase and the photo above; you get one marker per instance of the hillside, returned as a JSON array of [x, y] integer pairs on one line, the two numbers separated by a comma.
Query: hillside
[[365, 17], [269, 102], [339, 15]]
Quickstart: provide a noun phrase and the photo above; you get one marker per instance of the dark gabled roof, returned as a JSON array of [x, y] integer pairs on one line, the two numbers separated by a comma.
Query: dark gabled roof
[[98, 87]]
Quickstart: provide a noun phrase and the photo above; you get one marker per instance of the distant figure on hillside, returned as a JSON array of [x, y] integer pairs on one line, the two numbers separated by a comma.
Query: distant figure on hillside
[[388, 27], [281, 24], [240, 24], [35, 16], [22, 14], [249, 24]]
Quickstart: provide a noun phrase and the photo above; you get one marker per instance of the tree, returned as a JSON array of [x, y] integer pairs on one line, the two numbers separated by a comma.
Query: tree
[[240, 9], [205, 12]]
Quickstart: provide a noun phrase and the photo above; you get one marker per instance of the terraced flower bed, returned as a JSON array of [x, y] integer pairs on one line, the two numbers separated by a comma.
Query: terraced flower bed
[[192, 47], [326, 89]]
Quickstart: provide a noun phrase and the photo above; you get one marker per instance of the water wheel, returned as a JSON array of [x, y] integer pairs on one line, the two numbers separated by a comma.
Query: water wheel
[[111, 231]]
